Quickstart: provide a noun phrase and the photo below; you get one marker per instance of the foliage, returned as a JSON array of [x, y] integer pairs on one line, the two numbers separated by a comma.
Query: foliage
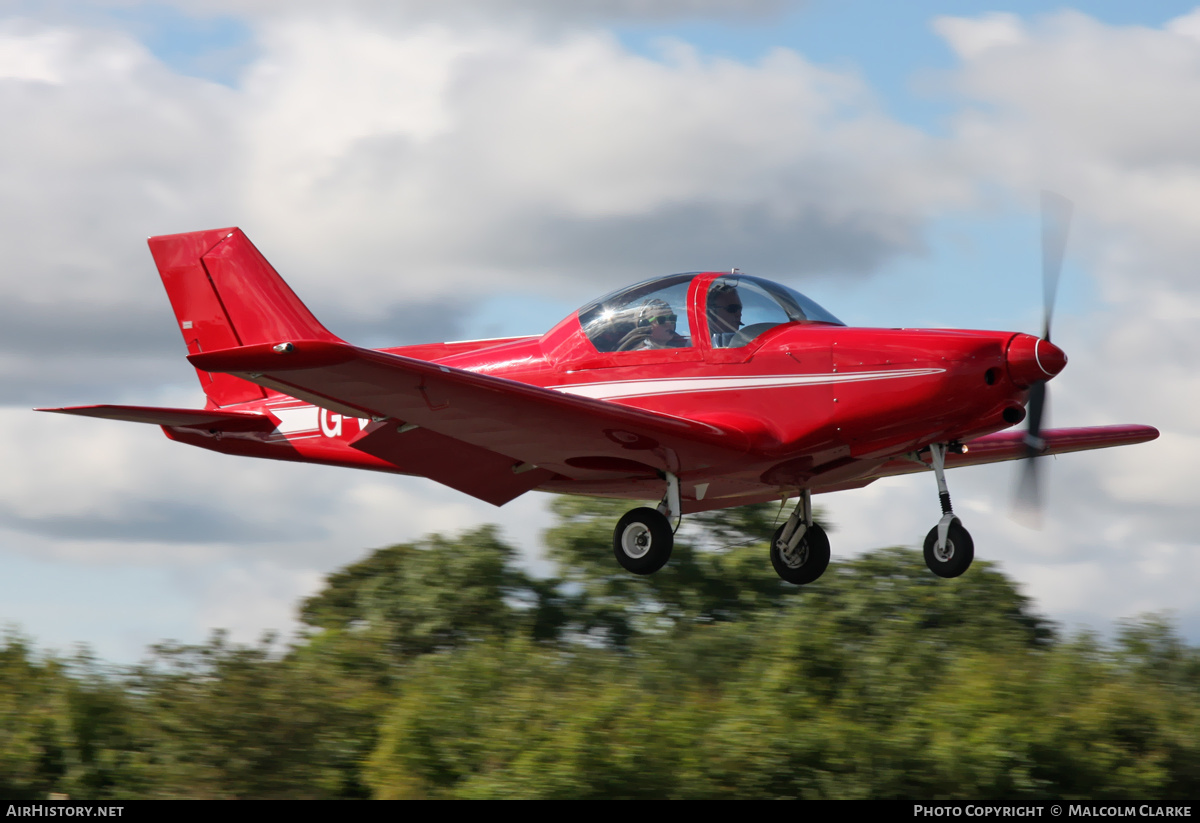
[[64, 727], [439, 669], [228, 721], [417, 598], [699, 585], [34, 722]]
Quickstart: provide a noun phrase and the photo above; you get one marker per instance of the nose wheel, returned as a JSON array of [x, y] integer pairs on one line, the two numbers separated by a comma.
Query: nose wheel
[[949, 549], [954, 556]]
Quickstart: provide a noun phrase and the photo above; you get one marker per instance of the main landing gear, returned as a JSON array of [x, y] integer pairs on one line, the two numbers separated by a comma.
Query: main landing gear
[[949, 549], [800, 548], [643, 539]]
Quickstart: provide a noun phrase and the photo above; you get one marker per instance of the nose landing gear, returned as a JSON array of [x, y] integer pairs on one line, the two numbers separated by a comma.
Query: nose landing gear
[[949, 549]]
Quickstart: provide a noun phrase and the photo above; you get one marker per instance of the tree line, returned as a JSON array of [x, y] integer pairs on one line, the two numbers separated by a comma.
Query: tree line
[[440, 669]]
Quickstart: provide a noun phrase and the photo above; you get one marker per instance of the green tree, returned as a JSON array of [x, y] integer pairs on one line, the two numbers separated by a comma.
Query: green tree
[[35, 722], [223, 720], [66, 727], [435, 594], [438, 669], [805, 696], [719, 571]]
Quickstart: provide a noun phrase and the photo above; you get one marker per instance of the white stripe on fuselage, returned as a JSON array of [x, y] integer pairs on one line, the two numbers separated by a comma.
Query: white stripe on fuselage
[[690, 385]]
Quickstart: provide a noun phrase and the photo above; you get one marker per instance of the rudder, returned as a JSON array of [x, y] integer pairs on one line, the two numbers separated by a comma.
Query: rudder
[[225, 294]]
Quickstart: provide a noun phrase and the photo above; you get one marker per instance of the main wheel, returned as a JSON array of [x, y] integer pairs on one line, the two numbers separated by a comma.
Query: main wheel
[[807, 561], [642, 541], [955, 558]]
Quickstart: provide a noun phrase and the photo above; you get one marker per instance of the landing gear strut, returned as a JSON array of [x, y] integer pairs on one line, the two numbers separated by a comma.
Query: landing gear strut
[[949, 549], [800, 548], [643, 538]]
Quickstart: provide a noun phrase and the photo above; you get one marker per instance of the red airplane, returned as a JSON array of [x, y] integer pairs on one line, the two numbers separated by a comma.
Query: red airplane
[[709, 390]]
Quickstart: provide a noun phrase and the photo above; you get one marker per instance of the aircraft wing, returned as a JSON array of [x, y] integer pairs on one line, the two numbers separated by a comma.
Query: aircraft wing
[[571, 435], [1010, 445], [228, 421]]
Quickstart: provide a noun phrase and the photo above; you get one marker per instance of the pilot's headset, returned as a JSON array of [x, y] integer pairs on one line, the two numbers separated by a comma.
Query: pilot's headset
[[652, 308]]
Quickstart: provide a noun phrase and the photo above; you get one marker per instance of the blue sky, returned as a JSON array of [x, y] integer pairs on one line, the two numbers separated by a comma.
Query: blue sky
[[216, 47], [891, 45]]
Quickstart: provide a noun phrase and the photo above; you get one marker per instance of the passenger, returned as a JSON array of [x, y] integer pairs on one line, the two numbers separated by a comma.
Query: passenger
[[655, 329], [612, 328], [724, 314]]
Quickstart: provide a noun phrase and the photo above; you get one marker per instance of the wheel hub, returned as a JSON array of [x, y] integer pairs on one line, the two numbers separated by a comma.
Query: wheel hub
[[794, 558], [945, 553], [636, 540]]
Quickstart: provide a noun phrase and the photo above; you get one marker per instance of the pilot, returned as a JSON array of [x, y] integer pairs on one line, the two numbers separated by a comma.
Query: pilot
[[724, 313], [655, 329]]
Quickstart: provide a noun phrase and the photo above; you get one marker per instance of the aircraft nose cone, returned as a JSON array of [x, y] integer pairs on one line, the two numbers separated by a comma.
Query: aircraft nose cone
[[1031, 359]]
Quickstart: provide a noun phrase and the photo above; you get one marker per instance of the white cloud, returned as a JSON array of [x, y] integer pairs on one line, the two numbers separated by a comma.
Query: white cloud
[[34, 56], [463, 12], [1187, 25], [92, 161], [1104, 114], [490, 159], [971, 37], [379, 166]]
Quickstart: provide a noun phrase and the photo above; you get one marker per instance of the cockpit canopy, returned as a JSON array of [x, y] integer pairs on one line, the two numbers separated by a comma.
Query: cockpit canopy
[[659, 313]]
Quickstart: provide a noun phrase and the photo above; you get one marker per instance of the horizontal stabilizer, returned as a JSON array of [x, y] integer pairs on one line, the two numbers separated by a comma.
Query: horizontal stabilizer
[[230, 421]]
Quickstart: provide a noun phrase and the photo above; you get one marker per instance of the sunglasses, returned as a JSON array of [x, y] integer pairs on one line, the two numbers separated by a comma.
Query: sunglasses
[[732, 308], [664, 319]]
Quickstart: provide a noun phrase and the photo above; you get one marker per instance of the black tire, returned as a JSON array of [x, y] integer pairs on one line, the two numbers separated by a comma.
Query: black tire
[[956, 557], [642, 541], [807, 562]]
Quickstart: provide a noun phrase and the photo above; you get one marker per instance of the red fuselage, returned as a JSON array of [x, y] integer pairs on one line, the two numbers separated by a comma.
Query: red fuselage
[[811, 404]]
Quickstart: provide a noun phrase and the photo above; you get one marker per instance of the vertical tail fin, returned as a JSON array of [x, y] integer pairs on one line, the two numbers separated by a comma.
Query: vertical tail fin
[[225, 294]]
